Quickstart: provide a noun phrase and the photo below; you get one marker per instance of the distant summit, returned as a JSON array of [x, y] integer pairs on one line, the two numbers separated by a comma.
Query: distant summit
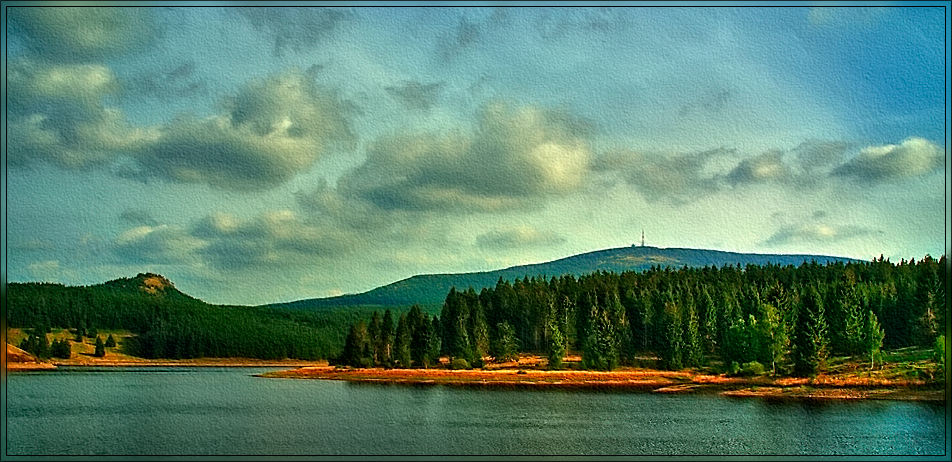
[[147, 283], [431, 289]]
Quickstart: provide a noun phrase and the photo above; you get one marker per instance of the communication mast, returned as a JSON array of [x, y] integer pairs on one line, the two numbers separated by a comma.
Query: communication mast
[[642, 237]]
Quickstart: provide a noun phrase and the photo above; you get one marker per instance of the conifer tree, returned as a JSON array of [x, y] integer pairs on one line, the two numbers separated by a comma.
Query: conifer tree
[[37, 344], [374, 331], [434, 342], [356, 345], [672, 341], [620, 328], [420, 330], [773, 335], [728, 314], [872, 337], [709, 311], [693, 354], [100, 348], [110, 341], [385, 344], [61, 349], [506, 346], [600, 350], [556, 346], [401, 343], [480, 334], [811, 347]]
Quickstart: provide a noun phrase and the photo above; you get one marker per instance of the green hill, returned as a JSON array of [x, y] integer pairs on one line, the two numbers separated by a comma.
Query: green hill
[[167, 323], [431, 289]]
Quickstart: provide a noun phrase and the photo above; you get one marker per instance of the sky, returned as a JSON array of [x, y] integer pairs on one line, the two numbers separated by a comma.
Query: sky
[[257, 155]]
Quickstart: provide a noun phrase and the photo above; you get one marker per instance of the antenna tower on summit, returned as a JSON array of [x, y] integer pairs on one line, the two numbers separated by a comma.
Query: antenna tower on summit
[[642, 237]]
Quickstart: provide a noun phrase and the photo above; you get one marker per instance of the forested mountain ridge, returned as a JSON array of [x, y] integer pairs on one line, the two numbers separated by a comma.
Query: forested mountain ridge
[[431, 289], [783, 319], [168, 323]]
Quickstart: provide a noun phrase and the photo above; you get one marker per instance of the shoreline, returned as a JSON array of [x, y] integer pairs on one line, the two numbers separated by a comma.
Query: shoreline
[[633, 380], [12, 366]]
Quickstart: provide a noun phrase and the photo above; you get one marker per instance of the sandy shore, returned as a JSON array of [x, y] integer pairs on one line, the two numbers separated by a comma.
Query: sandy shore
[[646, 380], [37, 366]]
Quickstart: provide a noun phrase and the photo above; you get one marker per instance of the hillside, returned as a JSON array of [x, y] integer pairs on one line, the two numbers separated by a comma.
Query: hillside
[[166, 323], [19, 360], [431, 289]]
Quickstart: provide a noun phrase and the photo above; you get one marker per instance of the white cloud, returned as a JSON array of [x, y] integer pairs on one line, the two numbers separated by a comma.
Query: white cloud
[[273, 129], [514, 156], [58, 115], [912, 157]]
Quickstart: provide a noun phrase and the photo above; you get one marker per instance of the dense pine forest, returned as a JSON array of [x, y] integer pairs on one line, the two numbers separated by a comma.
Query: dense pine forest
[[170, 324], [779, 319]]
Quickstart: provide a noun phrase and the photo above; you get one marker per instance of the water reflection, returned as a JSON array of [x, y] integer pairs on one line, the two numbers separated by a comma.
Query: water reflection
[[227, 411]]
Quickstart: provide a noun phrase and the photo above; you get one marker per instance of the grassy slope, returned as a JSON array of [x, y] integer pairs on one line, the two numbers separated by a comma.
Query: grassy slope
[[82, 353]]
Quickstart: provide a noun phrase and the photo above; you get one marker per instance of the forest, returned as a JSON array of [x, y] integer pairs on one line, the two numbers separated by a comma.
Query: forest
[[783, 319], [169, 324]]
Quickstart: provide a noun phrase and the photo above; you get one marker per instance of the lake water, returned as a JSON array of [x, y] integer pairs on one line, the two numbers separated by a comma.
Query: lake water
[[197, 411]]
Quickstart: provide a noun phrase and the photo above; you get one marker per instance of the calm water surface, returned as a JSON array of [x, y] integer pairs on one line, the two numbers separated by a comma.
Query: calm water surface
[[195, 411]]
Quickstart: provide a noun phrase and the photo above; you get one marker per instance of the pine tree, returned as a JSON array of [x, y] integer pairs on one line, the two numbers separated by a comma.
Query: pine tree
[[434, 343], [620, 328], [693, 354], [672, 343], [81, 331], [872, 338], [846, 317], [507, 347], [773, 337], [61, 349], [401, 343], [728, 314], [356, 345], [374, 331], [420, 343], [38, 344], [810, 347], [480, 335], [600, 348], [420, 328], [709, 311], [556, 346], [385, 344], [928, 302], [100, 348], [110, 341], [644, 320]]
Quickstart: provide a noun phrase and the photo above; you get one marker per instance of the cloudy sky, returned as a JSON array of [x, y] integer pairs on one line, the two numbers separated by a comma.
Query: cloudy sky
[[257, 155]]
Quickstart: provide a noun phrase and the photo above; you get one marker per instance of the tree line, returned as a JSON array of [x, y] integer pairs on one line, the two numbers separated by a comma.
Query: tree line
[[786, 319], [172, 325]]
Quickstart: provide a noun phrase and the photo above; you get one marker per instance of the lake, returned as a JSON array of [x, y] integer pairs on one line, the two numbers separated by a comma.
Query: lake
[[201, 411]]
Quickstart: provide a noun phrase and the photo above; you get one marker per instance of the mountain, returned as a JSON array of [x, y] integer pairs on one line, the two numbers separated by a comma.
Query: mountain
[[431, 289], [167, 323]]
